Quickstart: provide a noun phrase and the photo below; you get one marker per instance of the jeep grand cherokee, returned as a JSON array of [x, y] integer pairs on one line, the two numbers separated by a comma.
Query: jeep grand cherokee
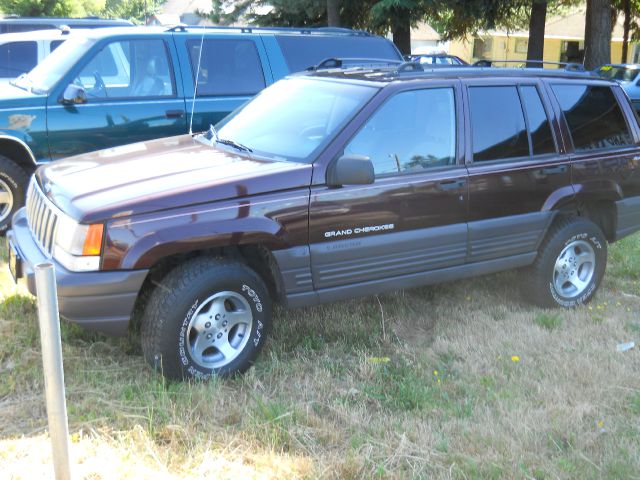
[[330, 185]]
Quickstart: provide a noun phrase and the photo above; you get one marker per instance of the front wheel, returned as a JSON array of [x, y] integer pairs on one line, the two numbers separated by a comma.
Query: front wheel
[[207, 317], [570, 264]]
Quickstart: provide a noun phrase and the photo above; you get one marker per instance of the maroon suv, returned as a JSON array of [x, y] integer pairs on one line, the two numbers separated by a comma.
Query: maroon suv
[[330, 185]]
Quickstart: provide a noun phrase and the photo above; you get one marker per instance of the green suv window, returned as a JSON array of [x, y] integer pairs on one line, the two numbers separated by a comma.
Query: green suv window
[[132, 68]]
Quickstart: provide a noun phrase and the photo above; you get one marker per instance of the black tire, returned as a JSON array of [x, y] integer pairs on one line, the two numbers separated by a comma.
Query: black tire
[[570, 264], [174, 334], [13, 181]]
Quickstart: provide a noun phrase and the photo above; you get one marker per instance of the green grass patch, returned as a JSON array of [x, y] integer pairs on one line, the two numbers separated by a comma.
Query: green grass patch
[[548, 321]]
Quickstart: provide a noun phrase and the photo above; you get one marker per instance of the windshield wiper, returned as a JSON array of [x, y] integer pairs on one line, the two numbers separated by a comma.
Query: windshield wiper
[[236, 145], [212, 136], [20, 82]]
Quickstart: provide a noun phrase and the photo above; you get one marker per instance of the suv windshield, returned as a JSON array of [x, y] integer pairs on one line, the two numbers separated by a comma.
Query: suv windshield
[[295, 116], [624, 74], [48, 73]]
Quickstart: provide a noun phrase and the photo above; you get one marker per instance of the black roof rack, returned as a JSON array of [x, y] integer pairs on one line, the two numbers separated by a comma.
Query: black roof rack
[[251, 29], [334, 62], [568, 66]]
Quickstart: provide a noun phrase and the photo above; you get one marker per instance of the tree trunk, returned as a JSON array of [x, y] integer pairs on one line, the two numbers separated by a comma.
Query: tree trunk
[[402, 32], [537, 20], [626, 7], [597, 37], [333, 13]]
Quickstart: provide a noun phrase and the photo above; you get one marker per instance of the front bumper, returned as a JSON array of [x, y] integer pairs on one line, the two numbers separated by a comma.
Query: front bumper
[[100, 301]]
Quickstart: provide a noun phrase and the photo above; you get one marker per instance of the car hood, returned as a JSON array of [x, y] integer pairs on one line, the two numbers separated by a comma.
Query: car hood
[[160, 175], [13, 97]]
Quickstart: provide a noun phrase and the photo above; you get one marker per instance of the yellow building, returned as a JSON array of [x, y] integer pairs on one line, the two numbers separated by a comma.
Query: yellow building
[[563, 42]]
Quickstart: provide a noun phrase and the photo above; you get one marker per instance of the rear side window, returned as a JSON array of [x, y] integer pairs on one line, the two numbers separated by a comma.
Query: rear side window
[[497, 124], [55, 44], [594, 117], [227, 67], [304, 51], [541, 137], [17, 58]]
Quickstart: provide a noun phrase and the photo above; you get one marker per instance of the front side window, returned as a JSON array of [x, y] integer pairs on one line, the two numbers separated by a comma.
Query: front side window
[[227, 67], [136, 68], [497, 124], [294, 117], [593, 116], [17, 58], [412, 131]]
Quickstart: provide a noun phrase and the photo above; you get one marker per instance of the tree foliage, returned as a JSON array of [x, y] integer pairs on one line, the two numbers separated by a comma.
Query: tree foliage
[[135, 10], [52, 8]]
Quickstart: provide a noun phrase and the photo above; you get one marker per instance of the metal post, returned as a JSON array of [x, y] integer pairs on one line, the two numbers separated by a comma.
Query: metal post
[[53, 371]]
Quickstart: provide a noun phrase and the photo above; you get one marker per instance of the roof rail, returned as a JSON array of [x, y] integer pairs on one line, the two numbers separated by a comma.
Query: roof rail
[[568, 66], [410, 67], [353, 62], [179, 27], [252, 29]]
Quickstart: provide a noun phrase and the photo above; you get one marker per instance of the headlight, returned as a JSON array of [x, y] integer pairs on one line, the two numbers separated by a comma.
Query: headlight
[[78, 247]]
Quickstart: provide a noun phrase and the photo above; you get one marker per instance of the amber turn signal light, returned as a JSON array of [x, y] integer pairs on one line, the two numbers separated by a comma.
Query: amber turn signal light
[[93, 241]]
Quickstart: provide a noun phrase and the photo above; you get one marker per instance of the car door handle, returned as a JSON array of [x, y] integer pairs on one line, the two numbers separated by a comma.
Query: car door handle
[[635, 161], [451, 184], [174, 113], [554, 170]]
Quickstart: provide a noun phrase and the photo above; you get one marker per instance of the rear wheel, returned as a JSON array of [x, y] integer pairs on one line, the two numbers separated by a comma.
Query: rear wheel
[[12, 190], [207, 317], [570, 264]]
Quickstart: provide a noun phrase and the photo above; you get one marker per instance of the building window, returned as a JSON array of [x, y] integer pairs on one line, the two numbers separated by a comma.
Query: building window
[[522, 45], [572, 51], [482, 48]]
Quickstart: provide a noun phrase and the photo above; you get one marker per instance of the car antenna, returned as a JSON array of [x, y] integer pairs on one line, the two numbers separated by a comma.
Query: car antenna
[[195, 85]]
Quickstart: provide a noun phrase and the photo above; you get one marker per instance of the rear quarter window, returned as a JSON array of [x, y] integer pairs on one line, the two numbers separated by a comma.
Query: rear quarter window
[[593, 116], [302, 52]]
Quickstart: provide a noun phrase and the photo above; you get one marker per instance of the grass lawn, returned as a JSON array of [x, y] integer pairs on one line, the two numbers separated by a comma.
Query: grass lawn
[[461, 380]]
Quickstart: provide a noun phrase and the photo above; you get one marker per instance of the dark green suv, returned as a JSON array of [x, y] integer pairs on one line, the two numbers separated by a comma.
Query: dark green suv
[[122, 85]]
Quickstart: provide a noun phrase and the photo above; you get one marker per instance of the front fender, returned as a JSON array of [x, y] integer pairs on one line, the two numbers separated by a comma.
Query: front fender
[[140, 242], [29, 129]]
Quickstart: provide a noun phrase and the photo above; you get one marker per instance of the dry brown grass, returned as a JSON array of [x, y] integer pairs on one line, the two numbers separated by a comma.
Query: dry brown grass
[[414, 384]]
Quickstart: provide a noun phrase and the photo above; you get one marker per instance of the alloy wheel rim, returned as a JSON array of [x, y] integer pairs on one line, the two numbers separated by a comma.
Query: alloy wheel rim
[[219, 329], [574, 269]]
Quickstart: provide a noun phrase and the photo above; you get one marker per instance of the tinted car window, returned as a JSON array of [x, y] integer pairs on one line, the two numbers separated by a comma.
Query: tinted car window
[[301, 52], [55, 44], [412, 131], [497, 124], [541, 136], [227, 67], [624, 74], [17, 58], [593, 115]]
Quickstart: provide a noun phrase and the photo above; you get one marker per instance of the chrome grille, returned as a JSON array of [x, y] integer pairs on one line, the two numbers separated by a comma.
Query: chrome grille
[[42, 217]]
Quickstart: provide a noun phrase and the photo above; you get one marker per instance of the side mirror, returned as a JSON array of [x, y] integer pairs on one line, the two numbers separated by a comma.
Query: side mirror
[[73, 95], [351, 170]]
